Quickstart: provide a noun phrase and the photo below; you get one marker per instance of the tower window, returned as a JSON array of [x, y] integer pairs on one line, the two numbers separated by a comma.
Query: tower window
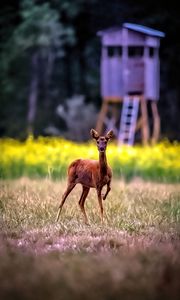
[[135, 51], [119, 51], [110, 51], [151, 51], [114, 51]]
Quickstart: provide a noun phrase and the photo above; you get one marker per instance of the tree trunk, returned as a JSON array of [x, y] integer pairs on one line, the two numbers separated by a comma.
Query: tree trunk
[[68, 80], [33, 93], [47, 79], [82, 65]]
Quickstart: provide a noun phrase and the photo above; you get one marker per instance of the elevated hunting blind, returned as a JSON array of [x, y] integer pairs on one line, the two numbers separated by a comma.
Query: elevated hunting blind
[[130, 75]]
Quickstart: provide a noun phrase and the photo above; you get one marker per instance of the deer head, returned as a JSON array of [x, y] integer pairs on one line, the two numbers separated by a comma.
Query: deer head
[[101, 140]]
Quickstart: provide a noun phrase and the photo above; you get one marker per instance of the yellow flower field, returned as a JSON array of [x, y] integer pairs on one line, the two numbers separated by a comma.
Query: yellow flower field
[[50, 157]]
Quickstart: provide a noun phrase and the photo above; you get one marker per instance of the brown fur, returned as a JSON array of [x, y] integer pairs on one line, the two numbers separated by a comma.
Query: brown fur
[[90, 174]]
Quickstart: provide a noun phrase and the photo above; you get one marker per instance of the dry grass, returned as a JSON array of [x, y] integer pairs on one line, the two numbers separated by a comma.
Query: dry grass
[[134, 255]]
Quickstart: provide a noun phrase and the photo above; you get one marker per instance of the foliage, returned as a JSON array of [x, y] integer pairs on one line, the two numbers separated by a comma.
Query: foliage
[[51, 157], [40, 33], [79, 118], [67, 31], [39, 28]]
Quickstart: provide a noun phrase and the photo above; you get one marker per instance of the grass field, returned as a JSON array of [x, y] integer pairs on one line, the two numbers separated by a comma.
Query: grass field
[[135, 254]]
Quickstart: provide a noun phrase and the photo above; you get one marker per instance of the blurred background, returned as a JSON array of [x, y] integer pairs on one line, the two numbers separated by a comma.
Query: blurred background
[[50, 63]]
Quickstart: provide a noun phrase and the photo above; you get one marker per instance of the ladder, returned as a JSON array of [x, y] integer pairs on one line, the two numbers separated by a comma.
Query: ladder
[[128, 120]]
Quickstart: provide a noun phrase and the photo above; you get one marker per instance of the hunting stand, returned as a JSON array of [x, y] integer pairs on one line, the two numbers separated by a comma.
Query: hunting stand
[[130, 75]]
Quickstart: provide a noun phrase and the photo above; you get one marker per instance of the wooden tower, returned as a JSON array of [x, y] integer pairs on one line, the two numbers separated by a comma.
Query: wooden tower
[[130, 80]]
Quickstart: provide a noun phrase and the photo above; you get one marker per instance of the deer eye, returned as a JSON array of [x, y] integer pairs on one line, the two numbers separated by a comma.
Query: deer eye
[[97, 142]]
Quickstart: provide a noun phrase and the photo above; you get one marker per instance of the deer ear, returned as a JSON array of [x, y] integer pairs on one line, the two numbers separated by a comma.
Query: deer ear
[[94, 134], [110, 134]]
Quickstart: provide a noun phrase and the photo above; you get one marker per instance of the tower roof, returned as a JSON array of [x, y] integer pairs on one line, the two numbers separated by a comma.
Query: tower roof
[[135, 27], [144, 29]]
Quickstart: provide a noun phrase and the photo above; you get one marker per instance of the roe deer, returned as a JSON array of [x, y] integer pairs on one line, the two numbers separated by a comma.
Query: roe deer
[[90, 174]]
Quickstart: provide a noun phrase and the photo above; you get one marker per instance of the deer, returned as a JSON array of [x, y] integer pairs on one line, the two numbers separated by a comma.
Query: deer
[[90, 174]]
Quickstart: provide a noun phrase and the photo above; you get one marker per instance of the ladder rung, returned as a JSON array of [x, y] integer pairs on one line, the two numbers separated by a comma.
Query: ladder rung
[[128, 120], [130, 113], [124, 137], [126, 132], [128, 109], [125, 126]]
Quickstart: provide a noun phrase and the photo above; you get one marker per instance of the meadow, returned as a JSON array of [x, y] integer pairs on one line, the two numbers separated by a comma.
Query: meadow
[[134, 254]]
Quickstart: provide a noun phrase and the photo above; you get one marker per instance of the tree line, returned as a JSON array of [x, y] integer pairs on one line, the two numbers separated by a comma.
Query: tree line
[[50, 53]]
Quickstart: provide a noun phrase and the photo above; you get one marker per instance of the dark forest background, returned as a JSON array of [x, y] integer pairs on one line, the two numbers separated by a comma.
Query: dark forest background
[[50, 63]]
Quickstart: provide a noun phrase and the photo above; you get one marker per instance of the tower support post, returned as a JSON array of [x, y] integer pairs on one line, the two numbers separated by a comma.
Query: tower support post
[[145, 124], [156, 122]]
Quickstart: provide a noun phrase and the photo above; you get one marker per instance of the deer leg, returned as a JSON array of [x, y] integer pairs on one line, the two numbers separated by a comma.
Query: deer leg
[[67, 192], [100, 203], [82, 201], [108, 190]]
